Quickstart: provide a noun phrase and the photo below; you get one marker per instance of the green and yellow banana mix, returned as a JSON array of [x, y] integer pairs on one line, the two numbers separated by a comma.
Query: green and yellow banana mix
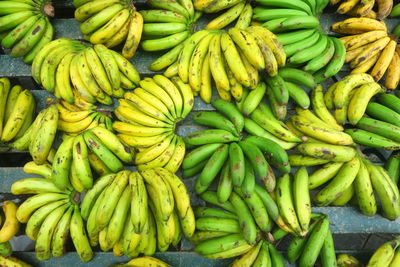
[[110, 22], [78, 72], [25, 27], [297, 27]]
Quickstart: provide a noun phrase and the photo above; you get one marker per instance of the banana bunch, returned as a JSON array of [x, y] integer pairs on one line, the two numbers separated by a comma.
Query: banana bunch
[[263, 254], [168, 25], [138, 212], [25, 27], [77, 72], [387, 254], [51, 216], [232, 59], [289, 82], [221, 150], [297, 27], [357, 178], [318, 243], [74, 120], [148, 116], [382, 128], [144, 261], [17, 111], [350, 96], [363, 8], [110, 22], [97, 148], [369, 48], [40, 135], [9, 227], [345, 260], [392, 166]]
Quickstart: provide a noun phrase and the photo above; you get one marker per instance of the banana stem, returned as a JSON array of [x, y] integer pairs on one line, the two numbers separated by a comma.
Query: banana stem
[[48, 9]]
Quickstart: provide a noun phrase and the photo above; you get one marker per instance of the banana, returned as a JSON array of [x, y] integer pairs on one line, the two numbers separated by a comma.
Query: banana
[[301, 198], [259, 163], [278, 87], [16, 34], [43, 135], [134, 35], [147, 155], [392, 167], [165, 201], [298, 95], [335, 64], [379, 127], [253, 99], [80, 162], [310, 52], [118, 219], [299, 5], [130, 114], [230, 111], [369, 51], [79, 236], [155, 15], [233, 59], [45, 234], [212, 168], [126, 67], [273, 126], [225, 186], [364, 191], [138, 131], [226, 18], [138, 202], [373, 140], [383, 61], [339, 184], [298, 77], [210, 136], [326, 151], [98, 71], [236, 163], [284, 200], [11, 224], [392, 74], [321, 110], [321, 60], [294, 36], [158, 91], [324, 174], [111, 141], [249, 181], [314, 243], [102, 152], [390, 101], [318, 131], [19, 113], [384, 254], [107, 205], [386, 191], [217, 63], [249, 257]]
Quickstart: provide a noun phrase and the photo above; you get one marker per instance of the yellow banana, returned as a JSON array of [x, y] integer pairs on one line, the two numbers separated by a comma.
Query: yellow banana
[[216, 62], [150, 153], [11, 224], [369, 51], [138, 131], [134, 35], [383, 61], [393, 73]]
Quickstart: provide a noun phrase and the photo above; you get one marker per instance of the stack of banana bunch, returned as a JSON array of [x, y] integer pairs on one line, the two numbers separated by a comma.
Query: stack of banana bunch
[[220, 150], [357, 178], [72, 165], [297, 27], [9, 227], [392, 166], [77, 72], [25, 27], [288, 83], [17, 111], [74, 120], [349, 97], [364, 8], [370, 49], [168, 25], [232, 59], [148, 116], [318, 243], [51, 216], [110, 22], [138, 212], [263, 254], [236, 226], [382, 128], [387, 254]]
